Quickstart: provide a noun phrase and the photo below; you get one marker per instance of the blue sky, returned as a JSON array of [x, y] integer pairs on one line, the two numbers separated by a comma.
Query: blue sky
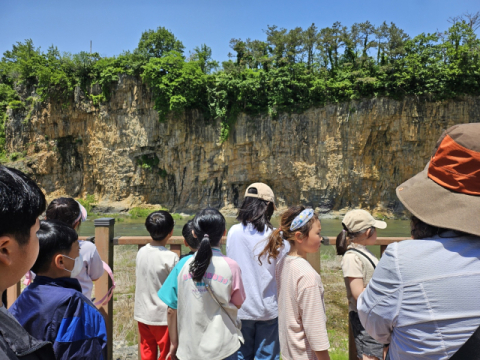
[[114, 26]]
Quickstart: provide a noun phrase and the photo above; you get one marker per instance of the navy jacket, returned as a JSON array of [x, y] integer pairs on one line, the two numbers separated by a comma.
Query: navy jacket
[[55, 310]]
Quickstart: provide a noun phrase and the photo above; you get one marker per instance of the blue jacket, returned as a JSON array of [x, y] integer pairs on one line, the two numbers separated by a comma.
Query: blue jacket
[[55, 310]]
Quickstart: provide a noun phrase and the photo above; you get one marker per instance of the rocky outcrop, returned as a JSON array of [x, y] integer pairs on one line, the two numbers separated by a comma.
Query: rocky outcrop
[[332, 157]]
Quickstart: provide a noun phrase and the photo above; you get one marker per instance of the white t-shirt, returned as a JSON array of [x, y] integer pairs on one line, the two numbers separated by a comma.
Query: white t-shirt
[[244, 243], [204, 330], [154, 263], [92, 267]]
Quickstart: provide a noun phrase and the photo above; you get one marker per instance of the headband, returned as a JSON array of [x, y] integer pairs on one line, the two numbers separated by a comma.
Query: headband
[[83, 214], [301, 219]]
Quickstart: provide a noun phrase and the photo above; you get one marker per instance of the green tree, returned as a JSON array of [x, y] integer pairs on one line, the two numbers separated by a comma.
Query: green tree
[[203, 55], [159, 42]]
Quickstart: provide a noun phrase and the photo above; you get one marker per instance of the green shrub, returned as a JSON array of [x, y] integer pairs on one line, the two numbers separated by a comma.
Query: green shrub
[[16, 105], [87, 202]]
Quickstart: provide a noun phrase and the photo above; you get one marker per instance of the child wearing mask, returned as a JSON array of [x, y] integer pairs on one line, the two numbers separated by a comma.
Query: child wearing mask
[[53, 307], [72, 213]]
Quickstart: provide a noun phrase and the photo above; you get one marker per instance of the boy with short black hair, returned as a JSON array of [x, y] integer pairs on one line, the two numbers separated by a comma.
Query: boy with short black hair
[[21, 203], [53, 307], [189, 240], [154, 263]]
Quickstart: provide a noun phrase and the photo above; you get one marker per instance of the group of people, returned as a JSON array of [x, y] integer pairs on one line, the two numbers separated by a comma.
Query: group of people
[[262, 298]]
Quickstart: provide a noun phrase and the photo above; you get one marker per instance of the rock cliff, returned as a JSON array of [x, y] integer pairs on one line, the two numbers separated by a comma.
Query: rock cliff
[[332, 157]]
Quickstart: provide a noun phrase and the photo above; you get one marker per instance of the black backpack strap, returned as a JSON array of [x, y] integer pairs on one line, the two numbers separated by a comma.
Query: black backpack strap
[[469, 350], [361, 252]]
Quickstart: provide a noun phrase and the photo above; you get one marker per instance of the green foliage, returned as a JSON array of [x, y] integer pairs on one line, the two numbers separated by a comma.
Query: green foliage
[[16, 105], [148, 161], [158, 43], [87, 202], [177, 85]]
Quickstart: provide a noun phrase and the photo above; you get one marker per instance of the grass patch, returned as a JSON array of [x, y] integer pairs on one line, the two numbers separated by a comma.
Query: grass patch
[[142, 213]]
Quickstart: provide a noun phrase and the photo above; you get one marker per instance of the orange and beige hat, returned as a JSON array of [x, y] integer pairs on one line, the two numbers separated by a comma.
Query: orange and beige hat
[[264, 192], [446, 193]]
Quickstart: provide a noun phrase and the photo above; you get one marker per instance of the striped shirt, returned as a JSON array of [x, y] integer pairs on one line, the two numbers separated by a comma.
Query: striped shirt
[[301, 318]]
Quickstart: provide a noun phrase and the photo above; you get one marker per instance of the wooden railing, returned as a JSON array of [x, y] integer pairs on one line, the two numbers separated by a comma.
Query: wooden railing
[[105, 242]]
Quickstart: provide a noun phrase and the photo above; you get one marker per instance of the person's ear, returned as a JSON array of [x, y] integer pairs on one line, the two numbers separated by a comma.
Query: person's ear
[[6, 243], [224, 232], [298, 237], [77, 225], [58, 261], [370, 232]]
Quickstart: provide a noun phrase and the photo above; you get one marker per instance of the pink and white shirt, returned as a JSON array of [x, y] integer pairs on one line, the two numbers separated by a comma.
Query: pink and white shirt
[[204, 330]]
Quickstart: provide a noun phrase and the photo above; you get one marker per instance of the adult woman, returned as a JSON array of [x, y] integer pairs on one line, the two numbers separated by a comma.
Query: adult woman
[[423, 297]]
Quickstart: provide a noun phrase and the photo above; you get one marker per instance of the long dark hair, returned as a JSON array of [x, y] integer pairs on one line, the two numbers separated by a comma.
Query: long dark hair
[[208, 225], [256, 211], [345, 237], [275, 240], [64, 209]]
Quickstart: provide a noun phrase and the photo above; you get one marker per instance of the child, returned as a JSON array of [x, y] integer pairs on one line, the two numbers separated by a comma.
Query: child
[[188, 239], [204, 297], [259, 312], [302, 321], [154, 263], [21, 203], [53, 307], [73, 213], [358, 265]]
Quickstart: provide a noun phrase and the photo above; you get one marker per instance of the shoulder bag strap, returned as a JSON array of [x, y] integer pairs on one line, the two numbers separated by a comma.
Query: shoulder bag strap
[[469, 350], [207, 286], [361, 252]]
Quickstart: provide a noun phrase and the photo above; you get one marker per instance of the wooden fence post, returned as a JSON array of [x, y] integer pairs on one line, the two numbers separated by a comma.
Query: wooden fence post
[[314, 260], [13, 292], [104, 229], [176, 248]]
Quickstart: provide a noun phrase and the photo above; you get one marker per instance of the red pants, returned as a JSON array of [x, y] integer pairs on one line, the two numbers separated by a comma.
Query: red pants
[[152, 338]]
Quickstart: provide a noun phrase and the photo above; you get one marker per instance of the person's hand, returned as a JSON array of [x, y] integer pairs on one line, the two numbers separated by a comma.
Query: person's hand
[[172, 354]]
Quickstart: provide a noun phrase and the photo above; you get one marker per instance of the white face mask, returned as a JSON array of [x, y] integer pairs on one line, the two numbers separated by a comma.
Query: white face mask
[[77, 267]]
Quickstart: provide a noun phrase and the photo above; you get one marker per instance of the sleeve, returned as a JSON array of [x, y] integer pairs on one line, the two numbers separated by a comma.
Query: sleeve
[[168, 293], [352, 266], [379, 304], [82, 333], [314, 320], [237, 296], [95, 265]]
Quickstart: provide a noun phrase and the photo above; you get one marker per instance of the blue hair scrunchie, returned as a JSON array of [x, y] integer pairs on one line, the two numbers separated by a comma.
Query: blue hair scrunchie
[[301, 219]]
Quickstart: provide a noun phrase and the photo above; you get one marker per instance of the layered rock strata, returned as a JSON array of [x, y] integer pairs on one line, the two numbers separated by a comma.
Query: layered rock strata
[[333, 157]]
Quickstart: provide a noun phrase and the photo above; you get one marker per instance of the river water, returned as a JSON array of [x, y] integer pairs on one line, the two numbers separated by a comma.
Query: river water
[[125, 226]]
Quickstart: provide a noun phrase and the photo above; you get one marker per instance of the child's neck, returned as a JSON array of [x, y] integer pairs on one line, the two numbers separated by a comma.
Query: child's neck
[[159, 243], [294, 251]]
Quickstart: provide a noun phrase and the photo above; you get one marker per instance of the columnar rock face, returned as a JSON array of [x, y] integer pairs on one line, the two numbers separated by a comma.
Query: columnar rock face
[[332, 157]]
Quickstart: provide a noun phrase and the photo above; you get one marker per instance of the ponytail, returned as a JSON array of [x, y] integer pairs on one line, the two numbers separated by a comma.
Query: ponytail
[[209, 225], [276, 238], [202, 259], [342, 241], [274, 244]]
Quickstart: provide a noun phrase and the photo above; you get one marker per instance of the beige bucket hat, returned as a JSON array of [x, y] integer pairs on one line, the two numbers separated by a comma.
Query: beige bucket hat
[[446, 193]]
